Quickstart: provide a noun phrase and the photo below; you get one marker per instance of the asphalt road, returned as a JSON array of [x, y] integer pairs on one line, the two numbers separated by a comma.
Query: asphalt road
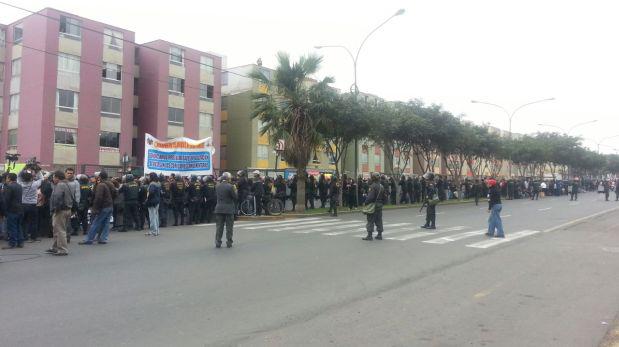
[[314, 282]]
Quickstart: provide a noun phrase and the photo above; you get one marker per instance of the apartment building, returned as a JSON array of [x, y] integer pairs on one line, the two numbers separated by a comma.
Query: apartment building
[[68, 91], [79, 93], [179, 92], [242, 145]]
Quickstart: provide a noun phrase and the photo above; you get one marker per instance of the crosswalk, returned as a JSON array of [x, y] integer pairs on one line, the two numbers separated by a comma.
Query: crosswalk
[[399, 231]]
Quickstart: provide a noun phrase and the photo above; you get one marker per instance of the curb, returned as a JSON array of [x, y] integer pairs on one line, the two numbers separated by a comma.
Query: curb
[[308, 215]]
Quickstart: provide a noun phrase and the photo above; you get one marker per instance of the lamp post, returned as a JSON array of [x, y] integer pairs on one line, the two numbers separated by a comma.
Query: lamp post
[[569, 130], [510, 116], [355, 58], [600, 142]]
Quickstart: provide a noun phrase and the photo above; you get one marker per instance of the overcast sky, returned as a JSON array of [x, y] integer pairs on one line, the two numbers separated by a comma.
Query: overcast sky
[[442, 51]]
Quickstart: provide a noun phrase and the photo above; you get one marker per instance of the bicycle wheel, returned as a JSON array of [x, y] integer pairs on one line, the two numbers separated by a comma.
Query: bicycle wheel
[[275, 207], [247, 208]]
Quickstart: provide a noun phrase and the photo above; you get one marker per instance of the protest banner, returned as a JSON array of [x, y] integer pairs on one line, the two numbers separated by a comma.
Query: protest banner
[[180, 156]]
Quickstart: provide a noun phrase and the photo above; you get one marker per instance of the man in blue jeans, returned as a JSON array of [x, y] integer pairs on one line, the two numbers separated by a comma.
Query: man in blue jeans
[[12, 198], [494, 208], [102, 206]]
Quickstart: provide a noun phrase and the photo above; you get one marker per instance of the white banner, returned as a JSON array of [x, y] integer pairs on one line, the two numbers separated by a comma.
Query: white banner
[[180, 156]]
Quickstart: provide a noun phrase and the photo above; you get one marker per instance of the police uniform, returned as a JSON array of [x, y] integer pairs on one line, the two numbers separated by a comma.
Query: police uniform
[[177, 190], [165, 202], [131, 192], [194, 194], [210, 198]]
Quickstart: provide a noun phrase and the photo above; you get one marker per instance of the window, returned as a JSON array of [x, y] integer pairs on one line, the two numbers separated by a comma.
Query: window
[[16, 67], [224, 103], [263, 152], [113, 39], [177, 56], [136, 57], [68, 63], [111, 72], [2, 37], [66, 100], [70, 27], [65, 136], [14, 103], [18, 34], [205, 120], [176, 85], [136, 84], [176, 116], [110, 107], [206, 92], [376, 159], [224, 78], [1, 72], [206, 64], [12, 134], [364, 156], [109, 139]]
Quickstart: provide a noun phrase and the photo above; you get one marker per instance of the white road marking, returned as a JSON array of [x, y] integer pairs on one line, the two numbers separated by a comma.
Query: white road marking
[[456, 237], [497, 241], [310, 225], [253, 224], [391, 231], [576, 221], [335, 233], [425, 233], [340, 225], [545, 209], [261, 226], [506, 216]]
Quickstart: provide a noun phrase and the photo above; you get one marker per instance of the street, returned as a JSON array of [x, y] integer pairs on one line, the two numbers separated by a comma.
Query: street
[[553, 281]]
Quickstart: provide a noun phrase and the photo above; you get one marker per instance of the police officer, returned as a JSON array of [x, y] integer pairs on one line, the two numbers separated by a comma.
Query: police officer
[[85, 201], [210, 198], [177, 190], [378, 196], [131, 191], [476, 191], [430, 201], [334, 194], [574, 192], [194, 195], [257, 188], [225, 209], [142, 209], [165, 201], [243, 187], [323, 189]]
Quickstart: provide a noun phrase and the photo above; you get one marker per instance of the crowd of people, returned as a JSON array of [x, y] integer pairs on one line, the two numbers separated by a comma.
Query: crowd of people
[[61, 204]]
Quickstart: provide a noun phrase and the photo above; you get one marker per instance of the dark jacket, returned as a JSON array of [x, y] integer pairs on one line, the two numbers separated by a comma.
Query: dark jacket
[[131, 191], [257, 188], [494, 197], [226, 198], [62, 197], [376, 195], [103, 196], [154, 195], [12, 198]]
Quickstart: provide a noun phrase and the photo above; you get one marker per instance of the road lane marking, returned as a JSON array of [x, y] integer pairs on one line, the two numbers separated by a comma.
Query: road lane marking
[[456, 237], [364, 229], [287, 224], [253, 224], [506, 216], [425, 233], [497, 240], [346, 224], [545, 209], [576, 221], [310, 225]]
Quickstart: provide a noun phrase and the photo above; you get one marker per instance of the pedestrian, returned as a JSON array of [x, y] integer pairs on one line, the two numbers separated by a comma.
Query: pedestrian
[[12, 200], [61, 204], [153, 198], [494, 208], [131, 192], [194, 196], [431, 200], [210, 197], [84, 203], [257, 189], [374, 208], [102, 206], [334, 194], [74, 224], [177, 189], [574, 192], [323, 188], [30, 182], [606, 185], [225, 209], [476, 191]]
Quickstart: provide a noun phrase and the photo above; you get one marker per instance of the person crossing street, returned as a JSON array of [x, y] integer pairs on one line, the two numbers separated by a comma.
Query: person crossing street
[[374, 208], [494, 208]]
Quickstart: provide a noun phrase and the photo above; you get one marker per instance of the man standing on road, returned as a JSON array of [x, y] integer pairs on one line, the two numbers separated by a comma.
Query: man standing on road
[[377, 196], [61, 203], [334, 194], [494, 208], [431, 200], [131, 192], [102, 206], [574, 192], [153, 198], [257, 188], [225, 209], [617, 189], [12, 199]]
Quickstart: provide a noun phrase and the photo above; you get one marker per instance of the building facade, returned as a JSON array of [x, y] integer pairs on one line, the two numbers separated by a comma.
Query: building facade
[[72, 95], [242, 145]]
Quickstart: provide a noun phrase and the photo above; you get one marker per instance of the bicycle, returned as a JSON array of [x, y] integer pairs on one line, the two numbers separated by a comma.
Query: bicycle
[[248, 207], [275, 206]]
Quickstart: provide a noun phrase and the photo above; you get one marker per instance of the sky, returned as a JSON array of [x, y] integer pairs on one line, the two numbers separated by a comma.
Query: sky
[[447, 52]]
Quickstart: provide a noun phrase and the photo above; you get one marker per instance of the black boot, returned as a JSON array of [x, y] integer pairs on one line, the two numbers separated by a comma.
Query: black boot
[[217, 244], [368, 238], [379, 236], [425, 226]]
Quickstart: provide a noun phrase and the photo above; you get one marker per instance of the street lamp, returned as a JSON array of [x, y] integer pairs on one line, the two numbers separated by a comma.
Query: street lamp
[[355, 58], [570, 129], [599, 143], [510, 116], [125, 161]]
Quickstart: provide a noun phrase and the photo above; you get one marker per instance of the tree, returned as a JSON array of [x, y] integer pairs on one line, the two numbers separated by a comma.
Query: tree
[[293, 110]]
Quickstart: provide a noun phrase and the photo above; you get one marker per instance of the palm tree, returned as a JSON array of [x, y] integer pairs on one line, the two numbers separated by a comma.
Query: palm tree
[[292, 109]]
